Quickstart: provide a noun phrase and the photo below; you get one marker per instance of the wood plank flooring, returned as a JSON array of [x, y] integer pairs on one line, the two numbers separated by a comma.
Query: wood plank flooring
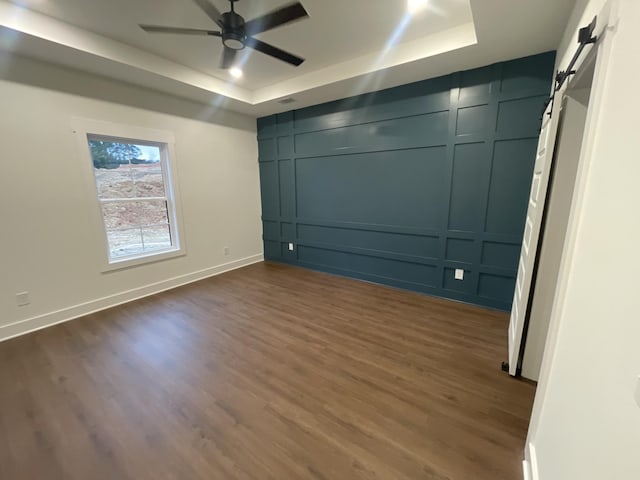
[[267, 372]]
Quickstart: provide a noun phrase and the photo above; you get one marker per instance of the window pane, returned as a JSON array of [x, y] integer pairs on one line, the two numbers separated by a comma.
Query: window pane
[[127, 176], [114, 183], [152, 212], [120, 214], [147, 173], [156, 237], [148, 181], [125, 242], [110, 155]]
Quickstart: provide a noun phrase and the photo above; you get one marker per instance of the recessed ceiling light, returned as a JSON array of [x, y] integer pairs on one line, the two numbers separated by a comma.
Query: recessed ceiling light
[[414, 6], [235, 72]]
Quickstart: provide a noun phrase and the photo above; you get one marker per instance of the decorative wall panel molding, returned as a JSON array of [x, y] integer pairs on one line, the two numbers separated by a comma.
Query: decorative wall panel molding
[[406, 185]]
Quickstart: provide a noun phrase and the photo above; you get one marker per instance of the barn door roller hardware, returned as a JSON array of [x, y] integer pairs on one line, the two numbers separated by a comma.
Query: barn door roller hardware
[[505, 368], [585, 37]]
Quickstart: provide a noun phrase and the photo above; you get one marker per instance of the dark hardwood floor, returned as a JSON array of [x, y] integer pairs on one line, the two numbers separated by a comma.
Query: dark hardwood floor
[[267, 372]]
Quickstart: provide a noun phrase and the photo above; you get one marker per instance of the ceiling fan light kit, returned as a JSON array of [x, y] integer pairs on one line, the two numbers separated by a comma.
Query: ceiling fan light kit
[[233, 32], [237, 34]]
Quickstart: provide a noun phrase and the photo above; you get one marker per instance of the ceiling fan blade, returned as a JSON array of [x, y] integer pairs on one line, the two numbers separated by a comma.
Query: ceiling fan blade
[[178, 30], [208, 8], [289, 13], [228, 58], [273, 51]]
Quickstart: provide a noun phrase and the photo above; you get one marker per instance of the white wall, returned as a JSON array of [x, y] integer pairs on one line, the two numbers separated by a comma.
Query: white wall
[[585, 423], [47, 245]]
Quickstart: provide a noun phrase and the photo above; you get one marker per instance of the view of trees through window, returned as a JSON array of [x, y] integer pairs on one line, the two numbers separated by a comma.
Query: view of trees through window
[[131, 190]]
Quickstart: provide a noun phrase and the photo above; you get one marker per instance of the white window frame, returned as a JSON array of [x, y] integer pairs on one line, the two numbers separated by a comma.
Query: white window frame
[[84, 130]]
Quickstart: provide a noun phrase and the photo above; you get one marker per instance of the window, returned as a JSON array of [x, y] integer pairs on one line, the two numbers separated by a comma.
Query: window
[[136, 203]]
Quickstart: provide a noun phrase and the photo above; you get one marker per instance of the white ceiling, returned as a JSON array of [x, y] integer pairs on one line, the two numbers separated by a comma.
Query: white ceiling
[[350, 46], [331, 35]]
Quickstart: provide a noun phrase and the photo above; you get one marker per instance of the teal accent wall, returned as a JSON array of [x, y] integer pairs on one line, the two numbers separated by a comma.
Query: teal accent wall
[[404, 185]]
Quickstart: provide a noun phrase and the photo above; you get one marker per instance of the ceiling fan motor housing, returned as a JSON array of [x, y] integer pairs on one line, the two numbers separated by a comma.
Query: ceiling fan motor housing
[[233, 32]]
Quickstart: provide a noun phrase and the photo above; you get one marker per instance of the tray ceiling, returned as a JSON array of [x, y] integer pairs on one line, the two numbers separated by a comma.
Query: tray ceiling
[[350, 47]]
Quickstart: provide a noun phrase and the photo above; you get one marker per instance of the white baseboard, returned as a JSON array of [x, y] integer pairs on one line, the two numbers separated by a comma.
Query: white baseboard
[[526, 470], [48, 319], [530, 464]]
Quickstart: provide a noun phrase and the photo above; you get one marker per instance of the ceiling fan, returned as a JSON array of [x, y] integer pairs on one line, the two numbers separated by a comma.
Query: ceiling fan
[[237, 34]]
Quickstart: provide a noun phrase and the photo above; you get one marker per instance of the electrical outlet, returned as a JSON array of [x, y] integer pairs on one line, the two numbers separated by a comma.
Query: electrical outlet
[[638, 391], [22, 299], [226, 250], [291, 247], [459, 274]]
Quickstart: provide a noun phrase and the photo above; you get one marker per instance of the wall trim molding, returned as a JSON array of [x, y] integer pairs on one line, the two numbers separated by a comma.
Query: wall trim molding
[[530, 463], [427, 198], [39, 322]]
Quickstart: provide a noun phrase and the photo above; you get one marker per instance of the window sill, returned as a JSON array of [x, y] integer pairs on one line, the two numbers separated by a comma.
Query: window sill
[[153, 257]]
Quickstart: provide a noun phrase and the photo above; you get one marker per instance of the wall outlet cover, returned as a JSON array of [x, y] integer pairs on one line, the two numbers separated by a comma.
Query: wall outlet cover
[[291, 247], [226, 250], [459, 274], [22, 299]]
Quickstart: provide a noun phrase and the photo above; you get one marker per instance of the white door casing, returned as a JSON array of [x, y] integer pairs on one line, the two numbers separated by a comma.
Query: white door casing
[[528, 252]]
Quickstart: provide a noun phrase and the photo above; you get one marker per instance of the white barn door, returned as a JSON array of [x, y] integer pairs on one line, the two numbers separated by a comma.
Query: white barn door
[[537, 197]]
